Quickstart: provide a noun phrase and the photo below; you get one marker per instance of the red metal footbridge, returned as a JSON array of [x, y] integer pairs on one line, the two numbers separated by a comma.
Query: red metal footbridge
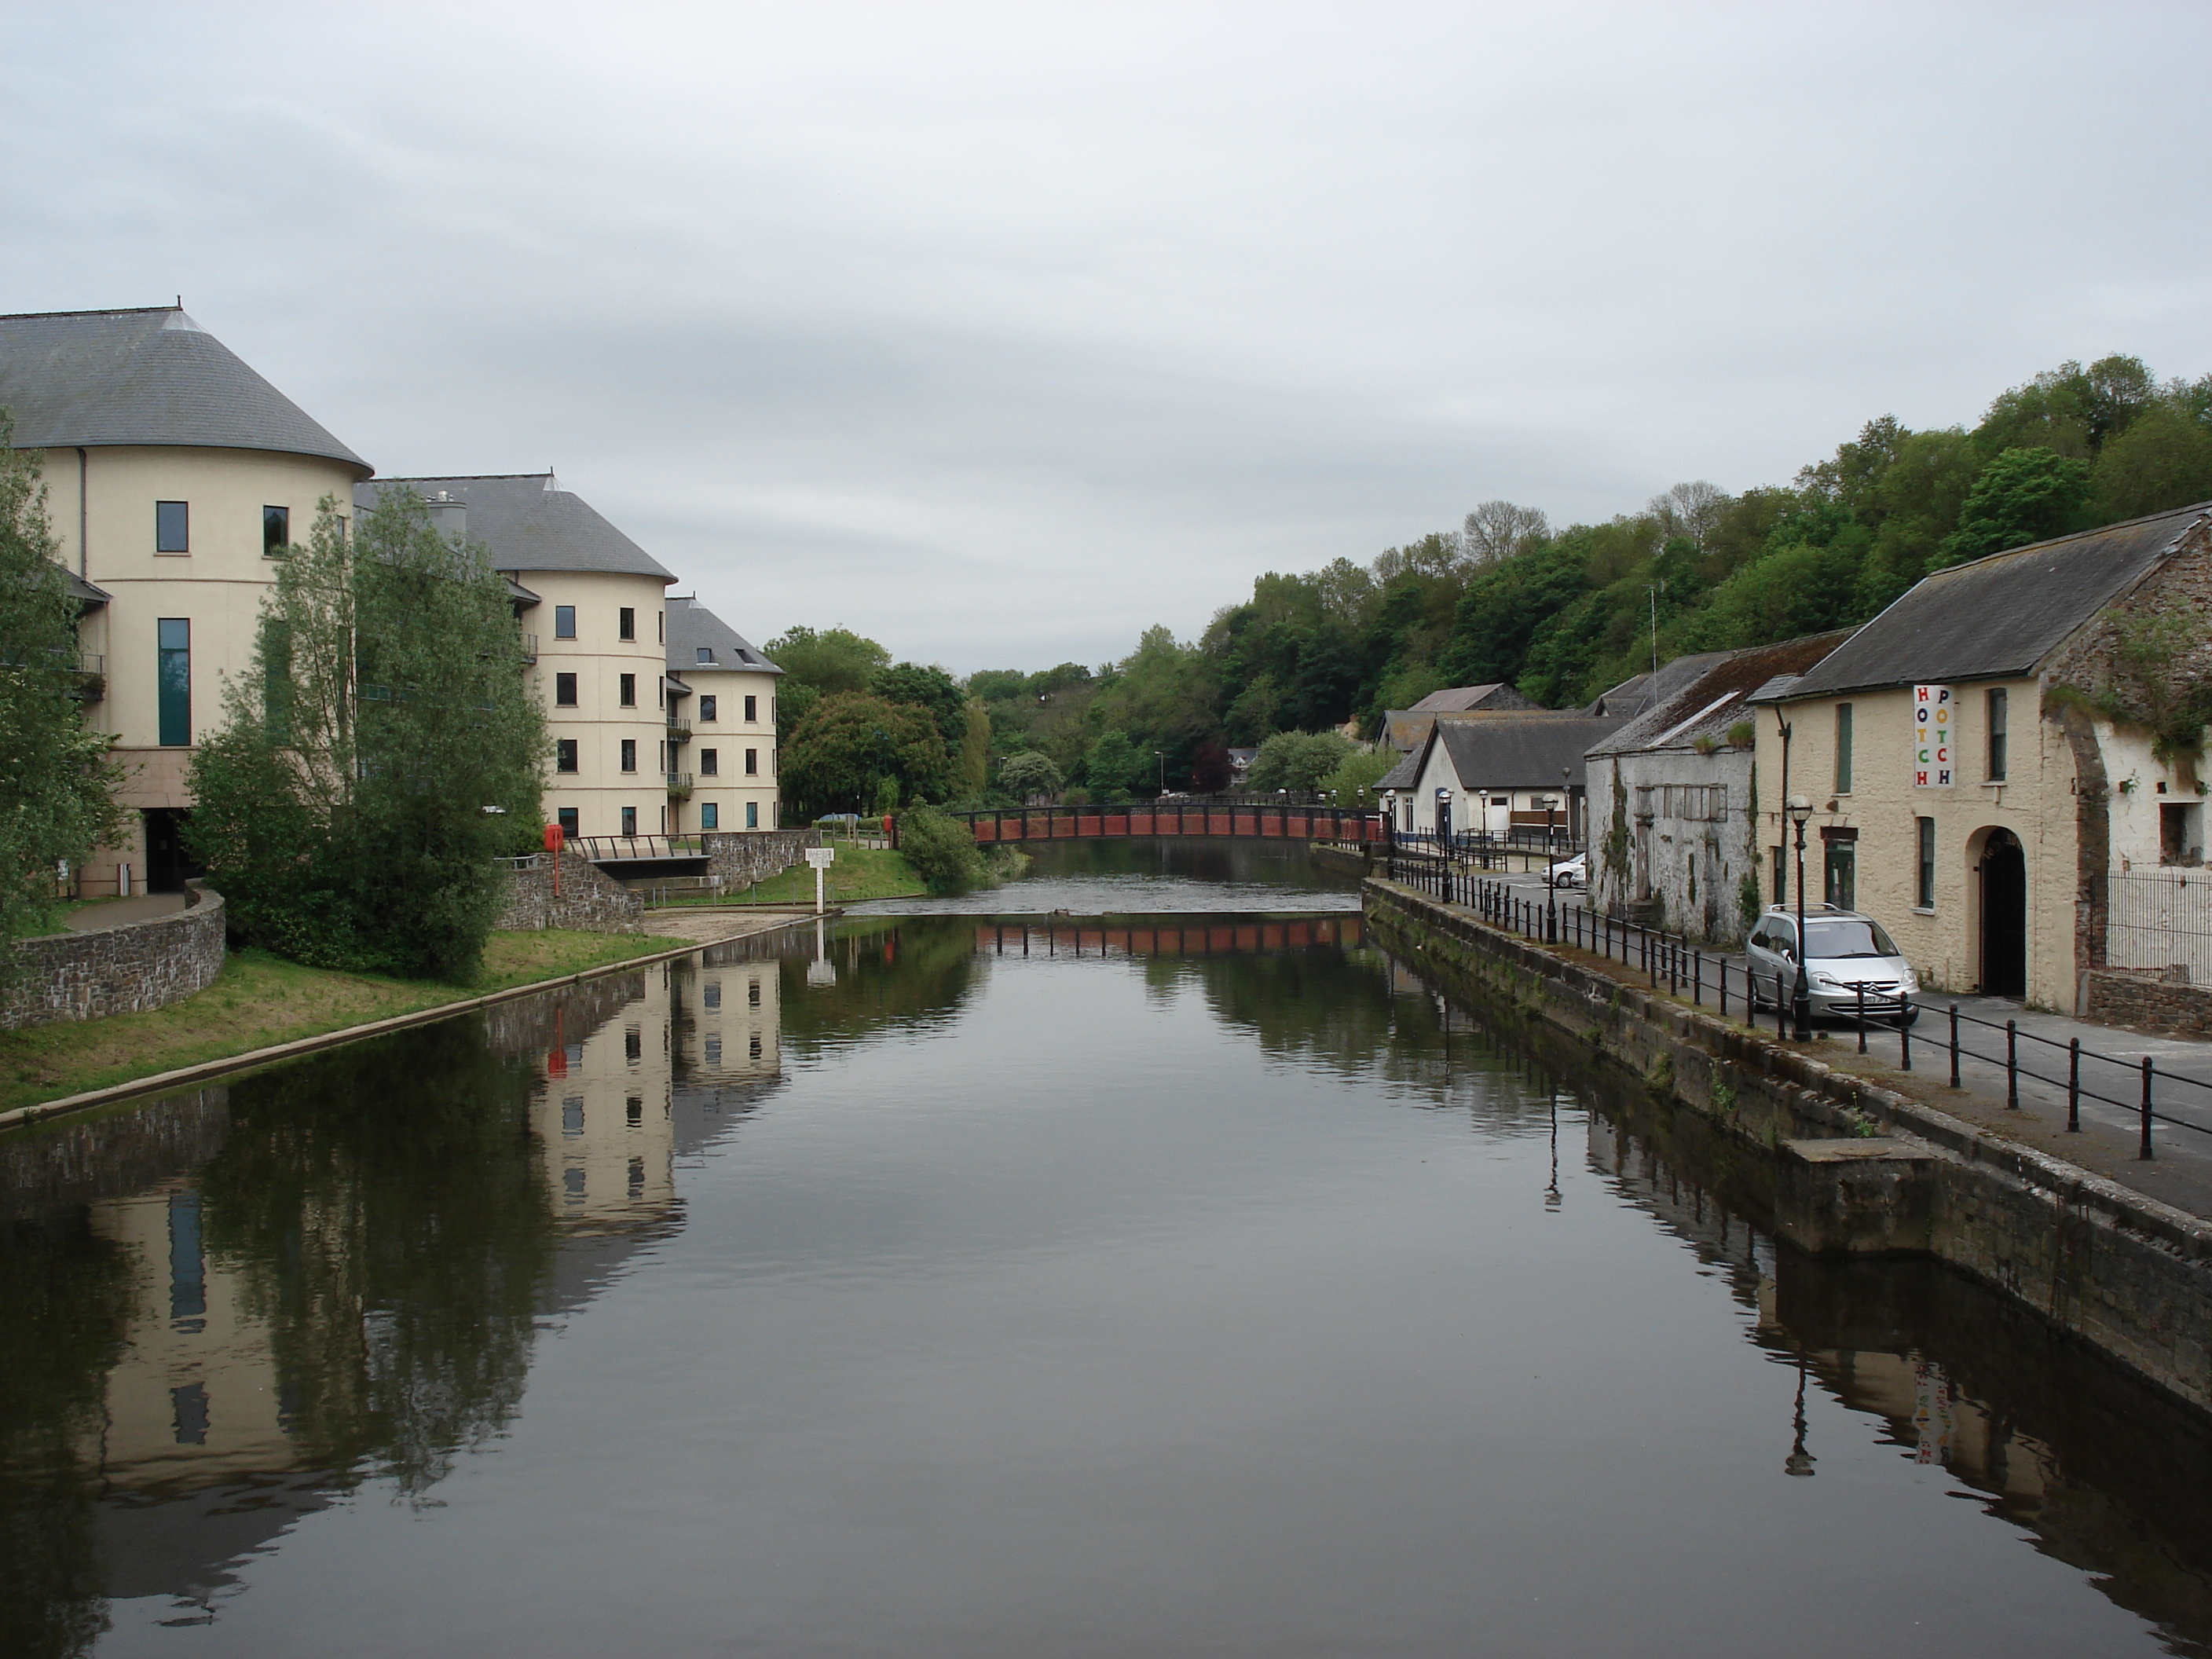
[[1262, 822]]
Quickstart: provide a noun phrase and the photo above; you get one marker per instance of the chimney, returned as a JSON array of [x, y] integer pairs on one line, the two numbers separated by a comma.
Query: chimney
[[449, 516]]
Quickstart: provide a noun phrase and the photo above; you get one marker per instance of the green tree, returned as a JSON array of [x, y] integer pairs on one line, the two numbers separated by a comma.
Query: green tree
[[1296, 760], [1352, 784], [1031, 773], [941, 850], [930, 689], [1113, 770], [851, 742], [2162, 460], [384, 750], [817, 664], [57, 783], [2023, 496]]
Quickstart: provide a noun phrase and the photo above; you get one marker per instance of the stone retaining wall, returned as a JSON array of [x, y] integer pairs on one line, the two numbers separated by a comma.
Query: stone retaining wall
[[130, 969], [742, 857], [588, 902], [2131, 1276], [2146, 1002]]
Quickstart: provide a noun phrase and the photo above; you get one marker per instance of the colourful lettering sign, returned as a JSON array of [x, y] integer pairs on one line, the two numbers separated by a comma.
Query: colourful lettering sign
[[1933, 713]]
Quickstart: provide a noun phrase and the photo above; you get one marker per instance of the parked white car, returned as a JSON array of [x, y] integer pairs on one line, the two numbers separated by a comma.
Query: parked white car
[[1574, 872]]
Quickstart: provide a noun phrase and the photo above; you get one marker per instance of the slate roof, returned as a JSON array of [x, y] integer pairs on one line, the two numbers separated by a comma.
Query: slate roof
[[1999, 617], [151, 376], [530, 523], [1407, 729], [692, 629], [1508, 748], [1721, 695], [1495, 695], [1635, 696]]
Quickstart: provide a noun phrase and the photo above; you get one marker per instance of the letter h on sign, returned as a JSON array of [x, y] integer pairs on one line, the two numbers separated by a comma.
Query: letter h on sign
[[1932, 711]]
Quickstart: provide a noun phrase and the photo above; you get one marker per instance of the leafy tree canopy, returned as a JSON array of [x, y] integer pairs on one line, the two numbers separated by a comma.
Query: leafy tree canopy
[[1296, 760], [851, 742]]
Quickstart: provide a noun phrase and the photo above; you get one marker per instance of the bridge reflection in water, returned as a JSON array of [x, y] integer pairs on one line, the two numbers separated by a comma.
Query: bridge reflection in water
[[1181, 937], [1264, 822]]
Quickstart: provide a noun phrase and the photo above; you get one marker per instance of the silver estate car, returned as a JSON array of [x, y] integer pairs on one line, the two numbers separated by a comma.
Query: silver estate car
[[1843, 951]]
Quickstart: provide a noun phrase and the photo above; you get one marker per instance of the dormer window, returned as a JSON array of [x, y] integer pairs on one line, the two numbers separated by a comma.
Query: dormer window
[[706, 653]]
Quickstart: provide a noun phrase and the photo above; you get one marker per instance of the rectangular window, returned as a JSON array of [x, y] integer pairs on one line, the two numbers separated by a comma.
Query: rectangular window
[[172, 527], [1781, 875], [564, 622], [1996, 702], [173, 681], [710, 762], [1926, 891], [276, 531], [710, 815], [706, 708], [706, 653], [752, 815], [629, 691], [629, 820], [564, 691], [752, 710], [752, 762], [660, 627], [564, 755], [1843, 749], [630, 754], [567, 815], [626, 624]]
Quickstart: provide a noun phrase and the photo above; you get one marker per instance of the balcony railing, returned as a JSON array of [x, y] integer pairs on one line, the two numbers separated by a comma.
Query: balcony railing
[[529, 648], [680, 785], [680, 729]]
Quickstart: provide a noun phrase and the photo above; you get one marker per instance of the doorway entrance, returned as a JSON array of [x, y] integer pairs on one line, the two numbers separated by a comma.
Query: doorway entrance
[[169, 864], [2004, 916], [1443, 818]]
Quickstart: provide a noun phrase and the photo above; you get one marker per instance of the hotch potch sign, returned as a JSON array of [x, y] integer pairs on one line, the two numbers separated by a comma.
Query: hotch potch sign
[[1932, 710]]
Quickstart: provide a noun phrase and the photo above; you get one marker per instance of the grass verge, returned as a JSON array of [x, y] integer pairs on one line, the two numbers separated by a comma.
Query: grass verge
[[262, 999], [861, 872]]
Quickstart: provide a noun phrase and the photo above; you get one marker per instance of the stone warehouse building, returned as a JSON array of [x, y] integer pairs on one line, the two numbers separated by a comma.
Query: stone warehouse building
[[1675, 831], [176, 476], [1978, 777]]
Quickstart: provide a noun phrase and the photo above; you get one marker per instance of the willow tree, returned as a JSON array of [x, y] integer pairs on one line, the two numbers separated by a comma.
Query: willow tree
[[384, 751], [57, 782]]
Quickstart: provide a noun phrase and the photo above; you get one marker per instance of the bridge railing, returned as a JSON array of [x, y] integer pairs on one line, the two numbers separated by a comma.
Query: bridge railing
[[992, 825], [602, 849]]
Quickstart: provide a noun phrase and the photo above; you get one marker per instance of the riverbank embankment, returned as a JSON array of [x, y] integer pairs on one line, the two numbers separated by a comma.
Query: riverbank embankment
[[1846, 1165], [262, 1010]]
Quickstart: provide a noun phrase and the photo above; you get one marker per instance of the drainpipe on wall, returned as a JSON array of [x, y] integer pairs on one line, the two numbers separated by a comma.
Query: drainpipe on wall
[[83, 559]]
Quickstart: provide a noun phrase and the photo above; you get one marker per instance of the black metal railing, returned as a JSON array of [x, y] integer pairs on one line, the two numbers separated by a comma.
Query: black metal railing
[[1681, 966]]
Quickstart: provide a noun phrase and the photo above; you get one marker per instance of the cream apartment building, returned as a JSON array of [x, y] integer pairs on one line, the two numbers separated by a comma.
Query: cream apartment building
[[1964, 789], [721, 724], [175, 477]]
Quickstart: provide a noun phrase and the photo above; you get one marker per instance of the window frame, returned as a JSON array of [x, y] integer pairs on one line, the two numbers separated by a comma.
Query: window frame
[[629, 821], [183, 519], [1997, 738], [709, 816], [707, 705], [752, 762], [752, 710], [1924, 877], [278, 519], [752, 815], [626, 757], [568, 819], [626, 622], [1843, 734], [565, 759], [626, 691], [710, 762], [564, 622], [564, 691], [173, 682]]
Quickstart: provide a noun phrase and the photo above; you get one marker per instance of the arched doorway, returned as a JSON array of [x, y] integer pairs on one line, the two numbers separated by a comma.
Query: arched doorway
[[2004, 916]]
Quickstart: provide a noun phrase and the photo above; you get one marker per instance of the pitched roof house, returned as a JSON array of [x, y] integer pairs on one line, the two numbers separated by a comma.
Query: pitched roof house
[[1491, 772], [1403, 729], [1969, 782]]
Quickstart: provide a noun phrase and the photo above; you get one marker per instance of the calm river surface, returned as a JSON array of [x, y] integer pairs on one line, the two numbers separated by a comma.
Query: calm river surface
[[1182, 1280]]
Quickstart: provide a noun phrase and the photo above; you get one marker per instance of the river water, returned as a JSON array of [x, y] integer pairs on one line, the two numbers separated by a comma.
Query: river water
[[1178, 1279]]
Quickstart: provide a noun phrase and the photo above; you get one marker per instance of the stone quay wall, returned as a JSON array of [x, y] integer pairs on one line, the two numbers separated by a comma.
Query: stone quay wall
[[130, 969], [2147, 1002], [1842, 1165], [742, 857], [588, 902]]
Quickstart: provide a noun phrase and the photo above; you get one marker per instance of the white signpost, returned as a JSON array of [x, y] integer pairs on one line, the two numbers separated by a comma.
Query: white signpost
[[820, 858], [1932, 712]]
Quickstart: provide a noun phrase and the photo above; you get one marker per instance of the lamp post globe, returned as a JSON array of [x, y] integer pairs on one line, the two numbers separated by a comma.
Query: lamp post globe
[[1801, 1001]]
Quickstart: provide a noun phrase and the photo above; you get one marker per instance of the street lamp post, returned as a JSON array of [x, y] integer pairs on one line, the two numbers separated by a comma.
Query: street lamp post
[[1801, 1003], [1551, 878], [1482, 839], [1161, 756]]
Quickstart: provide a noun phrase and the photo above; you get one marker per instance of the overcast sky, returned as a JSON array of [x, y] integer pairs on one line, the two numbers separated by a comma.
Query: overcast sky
[[1001, 333]]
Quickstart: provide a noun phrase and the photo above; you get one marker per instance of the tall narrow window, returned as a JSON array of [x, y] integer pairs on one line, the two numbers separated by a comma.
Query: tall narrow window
[[629, 690], [567, 815], [710, 815], [629, 820], [1843, 749], [752, 762], [564, 622], [173, 527], [706, 708], [752, 815], [710, 762], [660, 626], [1996, 704], [626, 624], [1926, 891], [276, 531], [173, 681], [752, 709], [564, 691], [630, 754], [564, 754]]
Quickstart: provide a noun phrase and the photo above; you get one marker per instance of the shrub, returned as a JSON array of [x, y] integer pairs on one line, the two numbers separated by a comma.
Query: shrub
[[940, 850]]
